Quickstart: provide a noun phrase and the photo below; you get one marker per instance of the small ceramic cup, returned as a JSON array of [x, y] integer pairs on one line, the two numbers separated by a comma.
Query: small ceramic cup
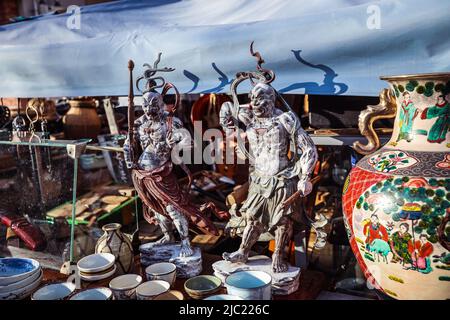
[[124, 286], [151, 289], [162, 271]]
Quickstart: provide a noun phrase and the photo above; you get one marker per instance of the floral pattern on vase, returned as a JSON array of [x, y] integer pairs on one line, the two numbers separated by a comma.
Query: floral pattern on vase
[[391, 161]]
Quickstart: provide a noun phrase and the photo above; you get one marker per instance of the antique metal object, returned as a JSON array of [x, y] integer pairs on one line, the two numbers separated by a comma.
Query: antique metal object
[[275, 176]]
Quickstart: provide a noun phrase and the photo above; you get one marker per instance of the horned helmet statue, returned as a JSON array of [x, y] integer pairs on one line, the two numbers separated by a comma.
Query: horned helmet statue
[[153, 100]]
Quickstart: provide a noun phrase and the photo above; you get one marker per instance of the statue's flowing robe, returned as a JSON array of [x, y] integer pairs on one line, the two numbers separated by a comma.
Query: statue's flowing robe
[[159, 188]]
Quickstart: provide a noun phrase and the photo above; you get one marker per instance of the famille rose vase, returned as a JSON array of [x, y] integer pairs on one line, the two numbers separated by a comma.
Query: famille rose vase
[[396, 201]]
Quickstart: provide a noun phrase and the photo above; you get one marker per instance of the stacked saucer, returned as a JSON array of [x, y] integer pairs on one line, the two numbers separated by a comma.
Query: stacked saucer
[[19, 277], [97, 266]]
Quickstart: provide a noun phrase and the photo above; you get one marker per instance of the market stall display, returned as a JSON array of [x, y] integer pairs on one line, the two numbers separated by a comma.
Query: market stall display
[[267, 192]]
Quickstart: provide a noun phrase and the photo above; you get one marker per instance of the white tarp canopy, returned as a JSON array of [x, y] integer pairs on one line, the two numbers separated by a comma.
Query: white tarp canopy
[[315, 47]]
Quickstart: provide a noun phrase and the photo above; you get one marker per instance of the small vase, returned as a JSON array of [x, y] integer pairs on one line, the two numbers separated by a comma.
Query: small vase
[[115, 242], [82, 120], [396, 201]]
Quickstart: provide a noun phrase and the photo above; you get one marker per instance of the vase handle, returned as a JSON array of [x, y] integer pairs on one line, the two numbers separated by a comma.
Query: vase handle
[[387, 108]]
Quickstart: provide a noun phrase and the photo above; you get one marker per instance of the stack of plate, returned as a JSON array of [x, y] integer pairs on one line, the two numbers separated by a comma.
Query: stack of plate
[[19, 277], [97, 266]]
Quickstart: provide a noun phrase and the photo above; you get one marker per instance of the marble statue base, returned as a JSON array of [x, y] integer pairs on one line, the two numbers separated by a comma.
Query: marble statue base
[[187, 267], [283, 283]]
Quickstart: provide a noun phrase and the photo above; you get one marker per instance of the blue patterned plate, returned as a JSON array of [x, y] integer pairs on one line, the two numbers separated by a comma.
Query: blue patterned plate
[[16, 269]]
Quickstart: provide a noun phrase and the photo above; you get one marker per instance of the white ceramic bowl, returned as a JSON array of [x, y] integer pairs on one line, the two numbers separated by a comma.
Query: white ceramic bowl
[[250, 285], [21, 283], [124, 286], [99, 275], [162, 271], [93, 294], [23, 292], [16, 269], [223, 297], [96, 262], [150, 289], [54, 291]]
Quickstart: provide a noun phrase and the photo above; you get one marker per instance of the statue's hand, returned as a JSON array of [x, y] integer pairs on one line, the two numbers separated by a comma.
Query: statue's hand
[[170, 141], [305, 186], [226, 115]]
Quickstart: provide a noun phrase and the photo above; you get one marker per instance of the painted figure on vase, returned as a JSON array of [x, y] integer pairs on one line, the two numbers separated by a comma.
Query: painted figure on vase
[[421, 253], [401, 245], [441, 111], [148, 152], [374, 230], [408, 113], [274, 176]]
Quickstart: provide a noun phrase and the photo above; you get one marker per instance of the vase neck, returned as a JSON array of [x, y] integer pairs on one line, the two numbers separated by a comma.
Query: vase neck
[[111, 227], [423, 115]]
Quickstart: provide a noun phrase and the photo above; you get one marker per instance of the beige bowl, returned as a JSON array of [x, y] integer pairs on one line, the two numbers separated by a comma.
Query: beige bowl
[[151, 289], [171, 295], [202, 286]]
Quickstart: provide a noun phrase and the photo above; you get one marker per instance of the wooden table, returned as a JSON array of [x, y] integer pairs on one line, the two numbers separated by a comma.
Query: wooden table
[[311, 282]]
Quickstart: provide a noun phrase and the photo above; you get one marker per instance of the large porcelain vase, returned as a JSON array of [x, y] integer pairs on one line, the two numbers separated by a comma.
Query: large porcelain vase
[[396, 201]]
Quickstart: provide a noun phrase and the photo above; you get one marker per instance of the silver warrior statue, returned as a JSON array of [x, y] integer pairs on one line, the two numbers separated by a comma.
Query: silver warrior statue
[[274, 175], [148, 151]]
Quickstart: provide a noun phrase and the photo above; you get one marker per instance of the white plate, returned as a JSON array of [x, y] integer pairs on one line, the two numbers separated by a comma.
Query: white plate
[[93, 294], [54, 291], [96, 262], [96, 277], [22, 292], [22, 283], [16, 269]]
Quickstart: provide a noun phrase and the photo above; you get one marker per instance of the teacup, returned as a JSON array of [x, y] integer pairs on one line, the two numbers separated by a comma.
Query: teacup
[[151, 289], [162, 271], [124, 286]]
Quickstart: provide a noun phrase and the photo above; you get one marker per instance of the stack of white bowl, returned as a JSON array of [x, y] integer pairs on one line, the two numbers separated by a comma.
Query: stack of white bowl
[[19, 277], [97, 266]]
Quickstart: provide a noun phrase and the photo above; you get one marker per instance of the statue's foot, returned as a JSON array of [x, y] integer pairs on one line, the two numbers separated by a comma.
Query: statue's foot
[[237, 256], [186, 249], [167, 238], [278, 265]]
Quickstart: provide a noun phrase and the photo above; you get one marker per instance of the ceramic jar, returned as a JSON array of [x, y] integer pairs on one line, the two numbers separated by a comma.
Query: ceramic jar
[[396, 201], [115, 242], [82, 120]]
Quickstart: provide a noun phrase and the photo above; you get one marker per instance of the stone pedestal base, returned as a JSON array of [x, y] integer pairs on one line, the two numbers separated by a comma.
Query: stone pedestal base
[[187, 267], [283, 283]]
